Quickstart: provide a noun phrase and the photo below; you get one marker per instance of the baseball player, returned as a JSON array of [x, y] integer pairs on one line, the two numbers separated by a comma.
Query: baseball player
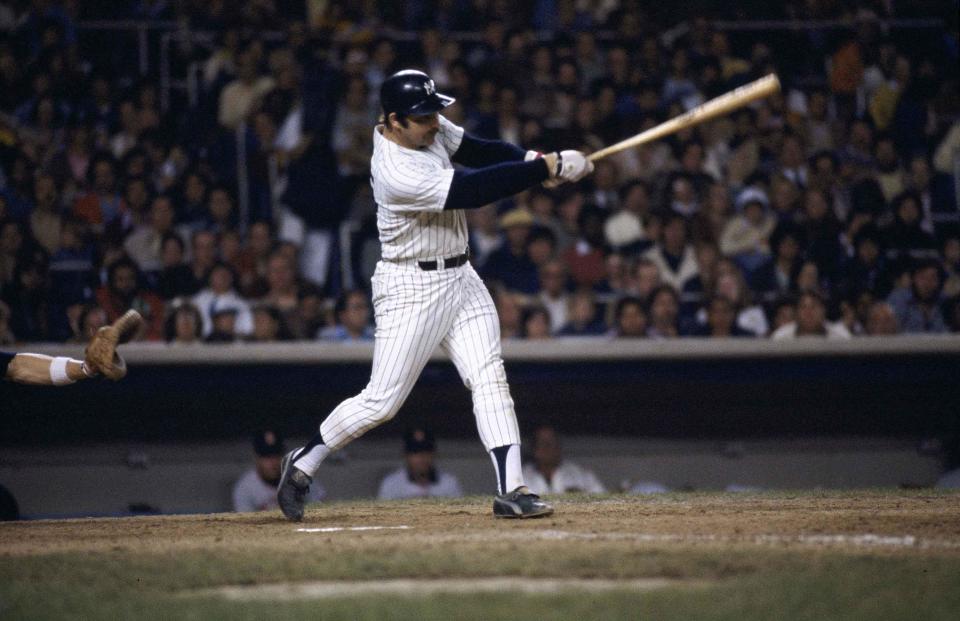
[[425, 293], [101, 358]]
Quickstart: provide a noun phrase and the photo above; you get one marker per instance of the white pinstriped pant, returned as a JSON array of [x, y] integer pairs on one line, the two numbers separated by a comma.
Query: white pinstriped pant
[[416, 311]]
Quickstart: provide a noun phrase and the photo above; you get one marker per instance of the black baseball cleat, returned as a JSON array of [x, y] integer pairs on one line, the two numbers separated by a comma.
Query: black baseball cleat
[[293, 488], [520, 503]]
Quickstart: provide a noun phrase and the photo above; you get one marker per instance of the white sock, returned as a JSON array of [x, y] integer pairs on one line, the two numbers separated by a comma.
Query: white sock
[[506, 463], [310, 459]]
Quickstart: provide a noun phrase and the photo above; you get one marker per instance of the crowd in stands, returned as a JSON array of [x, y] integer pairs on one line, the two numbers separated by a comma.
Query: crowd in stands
[[244, 212]]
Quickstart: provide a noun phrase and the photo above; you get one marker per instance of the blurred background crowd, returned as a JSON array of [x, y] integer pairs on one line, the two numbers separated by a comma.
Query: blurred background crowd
[[217, 180]]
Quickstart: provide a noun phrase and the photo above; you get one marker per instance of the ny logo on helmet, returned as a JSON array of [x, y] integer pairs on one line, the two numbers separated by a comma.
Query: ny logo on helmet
[[429, 87]]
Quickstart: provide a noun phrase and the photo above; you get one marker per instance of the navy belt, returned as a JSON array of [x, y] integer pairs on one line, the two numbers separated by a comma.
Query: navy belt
[[457, 261]]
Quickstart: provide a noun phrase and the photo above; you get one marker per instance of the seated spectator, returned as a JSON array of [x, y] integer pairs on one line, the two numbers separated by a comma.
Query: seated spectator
[[256, 489], [730, 284], [550, 473], [721, 319], [664, 315], [881, 320], [774, 277], [624, 230], [585, 258], [746, 236], [203, 247], [352, 316], [672, 255], [220, 295], [310, 316], [145, 244], [418, 477], [485, 237], [582, 316], [782, 311], [535, 323], [102, 206], [269, 326], [509, 313], [553, 292], [282, 286], [91, 319], [950, 252], [510, 264], [811, 313], [644, 278], [224, 326], [252, 263], [123, 291], [176, 277], [918, 307], [184, 325], [905, 237], [629, 319]]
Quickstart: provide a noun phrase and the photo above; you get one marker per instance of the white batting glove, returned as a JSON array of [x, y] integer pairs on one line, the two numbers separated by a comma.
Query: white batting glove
[[573, 166]]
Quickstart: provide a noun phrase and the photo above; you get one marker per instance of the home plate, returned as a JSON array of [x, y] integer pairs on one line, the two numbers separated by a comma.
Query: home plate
[[338, 529], [408, 587]]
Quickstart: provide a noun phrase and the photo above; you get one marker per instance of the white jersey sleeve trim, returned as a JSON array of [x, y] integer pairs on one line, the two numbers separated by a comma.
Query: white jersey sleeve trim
[[451, 135]]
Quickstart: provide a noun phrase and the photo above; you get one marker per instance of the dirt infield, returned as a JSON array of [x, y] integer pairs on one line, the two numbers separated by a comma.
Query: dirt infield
[[870, 555], [903, 522]]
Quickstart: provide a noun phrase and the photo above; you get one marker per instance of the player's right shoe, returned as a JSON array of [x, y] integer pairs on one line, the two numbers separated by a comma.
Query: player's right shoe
[[293, 488], [520, 503]]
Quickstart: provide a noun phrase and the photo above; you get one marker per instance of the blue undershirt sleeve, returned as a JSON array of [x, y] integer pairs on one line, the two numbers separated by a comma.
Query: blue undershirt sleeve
[[475, 188], [477, 152]]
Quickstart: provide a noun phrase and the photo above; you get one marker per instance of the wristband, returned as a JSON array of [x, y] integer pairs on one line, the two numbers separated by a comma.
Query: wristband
[[58, 371]]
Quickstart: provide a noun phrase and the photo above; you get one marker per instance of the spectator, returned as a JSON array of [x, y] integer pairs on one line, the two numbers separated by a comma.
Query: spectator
[[906, 236], [124, 291], [550, 473], [418, 477], [536, 324], [624, 229], [585, 258], [553, 293], [746, 236], [664, 313], [91, 319], [240, 96], [352, 313], [220, 296], [176, 278], [672, 255], [630, 318], [485, 236], [256, 489], [510, 265], [102, 206], [721, 319], [203, 246], [811, 320], [918, 307], [582, 316], [184, 325], [145, 245], [881, 320]]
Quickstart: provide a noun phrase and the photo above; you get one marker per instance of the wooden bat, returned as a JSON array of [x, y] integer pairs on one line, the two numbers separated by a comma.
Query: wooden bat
[[717, 106]]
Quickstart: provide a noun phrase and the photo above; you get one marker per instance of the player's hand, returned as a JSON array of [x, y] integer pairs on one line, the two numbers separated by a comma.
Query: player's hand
[[567, 166], [574, 166]]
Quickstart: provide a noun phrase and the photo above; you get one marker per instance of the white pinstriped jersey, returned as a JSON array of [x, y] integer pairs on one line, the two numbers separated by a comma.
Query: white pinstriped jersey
[[410, 187]]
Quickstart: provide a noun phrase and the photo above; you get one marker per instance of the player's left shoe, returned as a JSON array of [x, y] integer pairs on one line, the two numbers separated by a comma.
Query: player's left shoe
[[293, 488], [520, 503]]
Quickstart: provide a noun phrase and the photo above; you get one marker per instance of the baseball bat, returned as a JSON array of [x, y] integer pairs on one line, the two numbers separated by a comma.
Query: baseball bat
[[717, 106]]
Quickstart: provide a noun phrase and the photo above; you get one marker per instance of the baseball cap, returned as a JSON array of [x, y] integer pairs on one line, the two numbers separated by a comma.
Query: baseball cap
[[418, 440], [268, 443]]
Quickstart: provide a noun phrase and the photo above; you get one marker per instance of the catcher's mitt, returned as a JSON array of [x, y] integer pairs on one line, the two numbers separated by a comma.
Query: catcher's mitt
[[101, 352]]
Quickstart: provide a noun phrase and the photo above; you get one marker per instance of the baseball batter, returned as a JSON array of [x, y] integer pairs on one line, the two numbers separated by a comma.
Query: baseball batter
[[425, 292]]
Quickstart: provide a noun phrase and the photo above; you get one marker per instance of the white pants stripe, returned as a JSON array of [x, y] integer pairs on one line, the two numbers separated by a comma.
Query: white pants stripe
[[417, 311]]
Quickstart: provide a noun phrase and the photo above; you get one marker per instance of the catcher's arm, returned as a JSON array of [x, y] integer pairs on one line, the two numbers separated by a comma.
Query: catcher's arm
[[44, 370]]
